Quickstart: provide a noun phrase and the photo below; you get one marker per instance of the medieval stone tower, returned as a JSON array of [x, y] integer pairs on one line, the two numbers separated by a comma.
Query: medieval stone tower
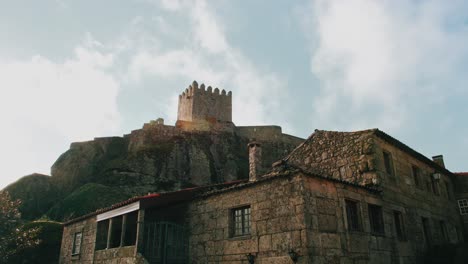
[[199, 108]]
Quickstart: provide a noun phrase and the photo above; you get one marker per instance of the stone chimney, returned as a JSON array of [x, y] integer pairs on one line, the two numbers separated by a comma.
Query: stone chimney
[[255, 160], [439, 159]]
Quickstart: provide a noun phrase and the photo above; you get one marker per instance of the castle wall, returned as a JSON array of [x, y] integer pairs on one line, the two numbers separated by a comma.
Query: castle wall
[[263, 133]]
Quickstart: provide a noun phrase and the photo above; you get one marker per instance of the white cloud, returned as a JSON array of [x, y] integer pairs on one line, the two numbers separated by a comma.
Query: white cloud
[[380, 61], [205, 54], [45, 105]]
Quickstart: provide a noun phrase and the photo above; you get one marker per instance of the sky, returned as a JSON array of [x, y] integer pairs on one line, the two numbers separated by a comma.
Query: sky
[[74, 70]]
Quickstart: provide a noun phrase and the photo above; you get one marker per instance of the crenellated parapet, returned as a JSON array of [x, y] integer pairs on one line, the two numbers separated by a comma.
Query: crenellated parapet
[[195, 90], [200, 104]]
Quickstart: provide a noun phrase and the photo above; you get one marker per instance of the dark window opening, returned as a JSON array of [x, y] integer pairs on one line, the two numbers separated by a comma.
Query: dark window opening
[[388, 163], [116, 231], [429, 186], [77, 238], [435, 186], [426, 230], [352, 215], [447, 189], [416, 175], [399, 226], [131, 229], [101, 234], [376, 219], [443, 231], [241, 221]]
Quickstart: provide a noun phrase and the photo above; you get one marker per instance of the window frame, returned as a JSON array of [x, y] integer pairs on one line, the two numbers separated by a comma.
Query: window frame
[[448, 190], [444, 231], [388, 163], [426, 225], [245, 221], [463, 206], [435, 186], [358, 223], [400, 230], [376, 219], [75, 252], [416, 172]]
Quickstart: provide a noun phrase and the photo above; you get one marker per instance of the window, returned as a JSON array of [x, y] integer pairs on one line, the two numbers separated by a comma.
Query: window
[[428, 186], [426, 230], [463, 205], [416, 176], [435, 186], [443, 231], [240, 221], [101, 234], [122, 230], [399, 226], [447, 189], [352, 215], [131, 229], [388, 162], [77, 237], [116, 231], [376, 219]]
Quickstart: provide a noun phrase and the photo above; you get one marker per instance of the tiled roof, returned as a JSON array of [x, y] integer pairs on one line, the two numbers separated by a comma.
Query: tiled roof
[[461, 173], [159, 199], [361, 135]]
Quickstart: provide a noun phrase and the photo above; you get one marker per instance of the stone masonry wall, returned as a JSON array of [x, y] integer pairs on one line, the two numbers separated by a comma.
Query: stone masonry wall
[[122, 255], [330, 241], [86, 256], [419, 200], [277, 218]]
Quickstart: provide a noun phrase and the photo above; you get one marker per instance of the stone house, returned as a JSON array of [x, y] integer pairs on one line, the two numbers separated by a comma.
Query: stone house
[[339, 197]]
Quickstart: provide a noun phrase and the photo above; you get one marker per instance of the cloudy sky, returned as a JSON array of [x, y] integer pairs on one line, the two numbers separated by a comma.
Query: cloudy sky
[[74, 70]]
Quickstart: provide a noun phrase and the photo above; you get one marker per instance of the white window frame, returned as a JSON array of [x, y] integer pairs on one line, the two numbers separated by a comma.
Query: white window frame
[[77, 242], [463, 206]]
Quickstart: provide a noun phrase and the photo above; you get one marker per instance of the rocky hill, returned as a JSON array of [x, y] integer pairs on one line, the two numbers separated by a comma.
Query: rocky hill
[[156, 158]]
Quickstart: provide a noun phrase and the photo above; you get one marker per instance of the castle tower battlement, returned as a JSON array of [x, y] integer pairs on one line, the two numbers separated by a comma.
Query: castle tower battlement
[[200, 105]]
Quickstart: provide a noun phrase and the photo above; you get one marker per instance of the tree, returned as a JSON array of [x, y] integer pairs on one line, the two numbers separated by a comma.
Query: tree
[[13, 236]]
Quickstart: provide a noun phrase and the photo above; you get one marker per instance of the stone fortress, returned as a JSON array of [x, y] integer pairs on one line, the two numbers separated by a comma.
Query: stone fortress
[[203, 147], [204, 109]]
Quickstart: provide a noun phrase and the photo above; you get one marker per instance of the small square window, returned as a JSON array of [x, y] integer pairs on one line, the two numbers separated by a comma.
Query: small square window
[[352, 215], [463, 205], [388, 162], [77, 237], [376, 219], [240, 221]]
